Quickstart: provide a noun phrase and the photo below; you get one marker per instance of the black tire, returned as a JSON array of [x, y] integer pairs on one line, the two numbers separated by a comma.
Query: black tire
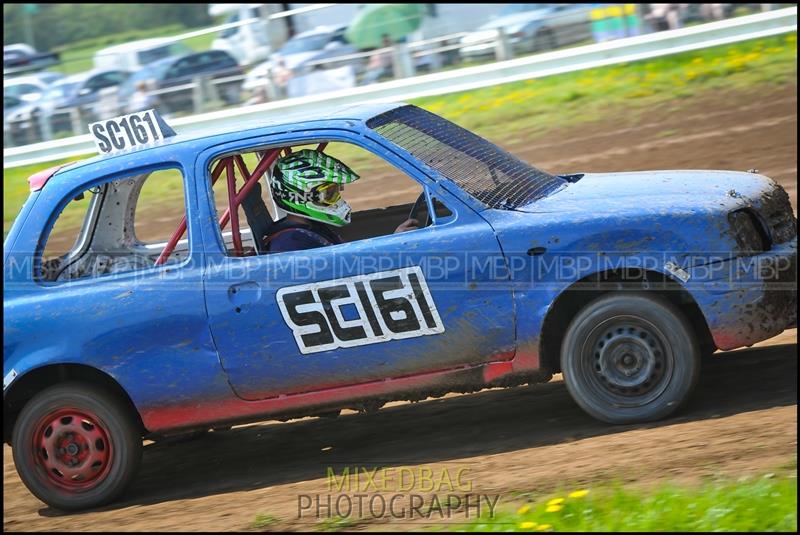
[[544, 40], [630, 357], [65, 422]]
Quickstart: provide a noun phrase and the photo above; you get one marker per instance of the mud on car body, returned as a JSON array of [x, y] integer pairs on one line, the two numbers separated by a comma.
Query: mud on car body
[[621, 281]]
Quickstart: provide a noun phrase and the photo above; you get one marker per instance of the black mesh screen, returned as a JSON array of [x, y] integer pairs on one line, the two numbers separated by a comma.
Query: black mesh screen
[[487, 172]]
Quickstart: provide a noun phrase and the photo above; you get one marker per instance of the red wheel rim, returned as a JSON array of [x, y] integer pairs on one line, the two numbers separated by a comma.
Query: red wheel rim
[[73, 449]]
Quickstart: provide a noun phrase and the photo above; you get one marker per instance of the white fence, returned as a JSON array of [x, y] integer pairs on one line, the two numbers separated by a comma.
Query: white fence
[[539, 65]]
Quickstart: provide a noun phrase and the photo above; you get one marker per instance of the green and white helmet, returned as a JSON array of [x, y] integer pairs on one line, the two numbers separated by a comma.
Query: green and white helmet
[[308, 183]]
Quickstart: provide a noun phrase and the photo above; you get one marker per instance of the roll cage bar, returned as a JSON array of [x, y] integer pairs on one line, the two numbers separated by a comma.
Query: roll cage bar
[[235, 199]]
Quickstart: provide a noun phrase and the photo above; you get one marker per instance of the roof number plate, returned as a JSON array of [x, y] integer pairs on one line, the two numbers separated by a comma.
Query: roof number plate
[[129, 131]]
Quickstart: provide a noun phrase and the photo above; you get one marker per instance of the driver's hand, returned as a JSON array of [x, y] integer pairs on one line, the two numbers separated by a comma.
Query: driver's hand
[[408, 224]]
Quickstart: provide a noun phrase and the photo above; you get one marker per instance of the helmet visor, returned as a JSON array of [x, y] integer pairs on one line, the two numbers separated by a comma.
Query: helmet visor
[[328, 194]]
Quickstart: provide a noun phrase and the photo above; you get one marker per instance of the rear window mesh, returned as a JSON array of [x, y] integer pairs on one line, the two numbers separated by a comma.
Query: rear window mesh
[[485, 171]]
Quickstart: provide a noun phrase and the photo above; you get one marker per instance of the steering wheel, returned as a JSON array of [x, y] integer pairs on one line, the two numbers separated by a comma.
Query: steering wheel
[[415, 208]]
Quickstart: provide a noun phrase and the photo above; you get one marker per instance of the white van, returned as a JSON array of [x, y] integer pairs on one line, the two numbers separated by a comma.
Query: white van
[[248, 43], [136, 54]]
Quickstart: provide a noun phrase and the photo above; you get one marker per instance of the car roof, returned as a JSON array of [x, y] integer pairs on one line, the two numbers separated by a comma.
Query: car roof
[[81, 76], [178, 57], [135, 45], [215, 10], [49, 75], [40, 78], [78, 77], [19, 47], [355, 112], [319, 30], [35, 80], [529, 15], [209, 51], [163, 61]]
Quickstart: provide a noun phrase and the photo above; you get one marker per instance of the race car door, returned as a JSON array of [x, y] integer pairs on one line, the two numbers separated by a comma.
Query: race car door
[[425, 300]]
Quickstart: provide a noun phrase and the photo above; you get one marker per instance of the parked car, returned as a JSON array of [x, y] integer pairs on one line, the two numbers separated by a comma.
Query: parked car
[[13, 131], [81, 91], [20, 57], [620, 281], [531, 27], [257, 79], [297, 56], [20, 94], [134, 55], [322, 42], [10, 105], [30, 88], [182, 70]]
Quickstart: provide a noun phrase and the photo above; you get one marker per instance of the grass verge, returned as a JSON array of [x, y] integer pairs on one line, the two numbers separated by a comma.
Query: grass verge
[[501, 113], [767, 503], [539, 105]]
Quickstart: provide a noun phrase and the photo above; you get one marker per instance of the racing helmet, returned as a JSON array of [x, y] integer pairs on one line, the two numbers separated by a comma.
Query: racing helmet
[[308, 183]]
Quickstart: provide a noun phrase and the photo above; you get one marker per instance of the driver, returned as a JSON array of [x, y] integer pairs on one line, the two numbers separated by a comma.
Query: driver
[[307, 185]]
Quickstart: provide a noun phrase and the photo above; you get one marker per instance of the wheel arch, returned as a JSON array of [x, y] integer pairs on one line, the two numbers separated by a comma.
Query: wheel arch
[[577, 295], [34, 381]]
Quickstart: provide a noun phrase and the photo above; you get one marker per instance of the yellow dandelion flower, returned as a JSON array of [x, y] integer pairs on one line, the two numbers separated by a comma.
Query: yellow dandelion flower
[[527, 525], [578, 493], [556, 501], [554, 508], [524, 509], [697, 61], [543, 527]]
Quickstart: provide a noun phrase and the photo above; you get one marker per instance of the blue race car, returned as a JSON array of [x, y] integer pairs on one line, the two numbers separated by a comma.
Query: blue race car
[[622, 282]]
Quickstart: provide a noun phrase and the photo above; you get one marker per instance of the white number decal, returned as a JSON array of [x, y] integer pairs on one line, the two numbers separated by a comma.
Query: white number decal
[[127, 131], [390, 305]]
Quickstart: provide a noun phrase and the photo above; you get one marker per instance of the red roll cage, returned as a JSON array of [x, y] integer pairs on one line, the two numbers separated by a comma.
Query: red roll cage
[[235, 199]]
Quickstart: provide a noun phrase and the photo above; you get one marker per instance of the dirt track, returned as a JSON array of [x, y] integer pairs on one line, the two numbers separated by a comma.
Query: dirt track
[[742, 419]]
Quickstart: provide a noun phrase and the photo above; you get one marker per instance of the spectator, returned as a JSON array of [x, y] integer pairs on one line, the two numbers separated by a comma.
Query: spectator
[[141, 99], [380, 63], [712, 11], [281, 76], [664, 16]]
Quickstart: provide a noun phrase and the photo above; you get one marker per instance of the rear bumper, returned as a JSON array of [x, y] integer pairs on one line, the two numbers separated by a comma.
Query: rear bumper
[[748, 299]]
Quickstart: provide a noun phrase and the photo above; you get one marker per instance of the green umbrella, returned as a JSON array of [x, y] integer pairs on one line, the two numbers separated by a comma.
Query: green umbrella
[[376, 20]]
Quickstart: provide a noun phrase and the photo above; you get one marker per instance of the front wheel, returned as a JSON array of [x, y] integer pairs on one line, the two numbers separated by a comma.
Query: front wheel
[[630, 357], [76, 446]]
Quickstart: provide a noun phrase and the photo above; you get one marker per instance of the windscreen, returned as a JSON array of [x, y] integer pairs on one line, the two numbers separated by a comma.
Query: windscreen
[[482, 169]]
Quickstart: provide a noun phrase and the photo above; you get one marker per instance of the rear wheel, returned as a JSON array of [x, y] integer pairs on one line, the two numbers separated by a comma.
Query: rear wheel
[[76, 446], [630, 357]]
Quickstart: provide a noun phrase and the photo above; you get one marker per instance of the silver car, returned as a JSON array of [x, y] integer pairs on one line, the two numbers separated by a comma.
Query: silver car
[[323, 42], [298, 57], [531, 27]]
